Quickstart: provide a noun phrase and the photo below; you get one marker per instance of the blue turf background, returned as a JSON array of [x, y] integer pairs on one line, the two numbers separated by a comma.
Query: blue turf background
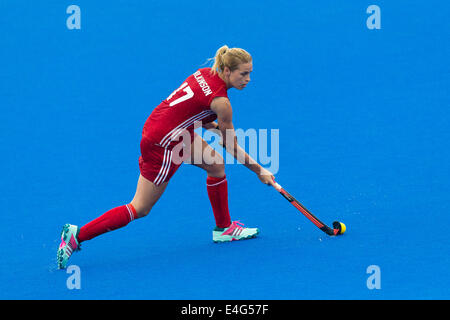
[[364, 130]]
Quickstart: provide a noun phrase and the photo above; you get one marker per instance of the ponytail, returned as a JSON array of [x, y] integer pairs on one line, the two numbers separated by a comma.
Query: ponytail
[[231, 58]]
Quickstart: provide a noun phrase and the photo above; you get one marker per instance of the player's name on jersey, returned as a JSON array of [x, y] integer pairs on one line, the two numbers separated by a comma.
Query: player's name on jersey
[[202, 83]]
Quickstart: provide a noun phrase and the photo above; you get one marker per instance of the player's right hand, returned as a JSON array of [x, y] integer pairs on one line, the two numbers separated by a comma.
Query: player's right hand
[[266, 177]]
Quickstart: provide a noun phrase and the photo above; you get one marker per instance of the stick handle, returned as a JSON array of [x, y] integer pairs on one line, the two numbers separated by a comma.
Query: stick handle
[[277, 187]]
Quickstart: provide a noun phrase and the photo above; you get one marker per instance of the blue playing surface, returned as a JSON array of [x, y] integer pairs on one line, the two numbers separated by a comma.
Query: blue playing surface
[[363, 120]]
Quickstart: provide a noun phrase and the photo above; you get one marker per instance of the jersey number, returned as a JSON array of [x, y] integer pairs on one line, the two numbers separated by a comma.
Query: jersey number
[[188, 94]]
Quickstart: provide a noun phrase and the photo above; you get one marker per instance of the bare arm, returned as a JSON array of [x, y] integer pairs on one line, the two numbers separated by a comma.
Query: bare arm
[[222, 107]]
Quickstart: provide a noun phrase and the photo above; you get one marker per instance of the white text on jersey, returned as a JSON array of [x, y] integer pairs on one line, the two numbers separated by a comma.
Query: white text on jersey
[[203, 84]]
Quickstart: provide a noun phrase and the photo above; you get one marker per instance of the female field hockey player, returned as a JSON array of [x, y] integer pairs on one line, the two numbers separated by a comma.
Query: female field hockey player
[[201, 98]]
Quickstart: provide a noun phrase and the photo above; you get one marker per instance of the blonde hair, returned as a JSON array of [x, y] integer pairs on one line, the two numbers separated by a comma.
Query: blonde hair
[[229, 57]]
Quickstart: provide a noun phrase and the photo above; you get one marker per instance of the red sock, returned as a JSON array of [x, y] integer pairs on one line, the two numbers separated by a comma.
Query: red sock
[[218, 195], [111, 220]]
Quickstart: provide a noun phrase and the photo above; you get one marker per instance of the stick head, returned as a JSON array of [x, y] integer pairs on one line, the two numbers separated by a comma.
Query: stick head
[[340, 227]]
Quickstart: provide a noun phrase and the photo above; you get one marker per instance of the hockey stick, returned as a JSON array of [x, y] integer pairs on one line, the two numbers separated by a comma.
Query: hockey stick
[[338, 227]]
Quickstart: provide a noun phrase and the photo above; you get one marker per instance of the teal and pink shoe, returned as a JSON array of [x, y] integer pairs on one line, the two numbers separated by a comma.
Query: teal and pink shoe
[[69, 244], [234, 232]]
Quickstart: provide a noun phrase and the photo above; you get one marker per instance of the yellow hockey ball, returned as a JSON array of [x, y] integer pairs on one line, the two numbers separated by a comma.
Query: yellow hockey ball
[[343, 228]]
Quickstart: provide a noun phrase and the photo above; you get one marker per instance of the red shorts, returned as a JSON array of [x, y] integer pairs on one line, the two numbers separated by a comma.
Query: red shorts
[[156, 163]]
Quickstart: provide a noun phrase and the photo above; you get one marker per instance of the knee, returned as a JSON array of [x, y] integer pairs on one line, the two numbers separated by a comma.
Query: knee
[[217, 167], [141, 211], [217, 170]]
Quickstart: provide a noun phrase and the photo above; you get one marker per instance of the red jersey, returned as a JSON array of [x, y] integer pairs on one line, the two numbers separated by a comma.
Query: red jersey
[[189, 103]]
